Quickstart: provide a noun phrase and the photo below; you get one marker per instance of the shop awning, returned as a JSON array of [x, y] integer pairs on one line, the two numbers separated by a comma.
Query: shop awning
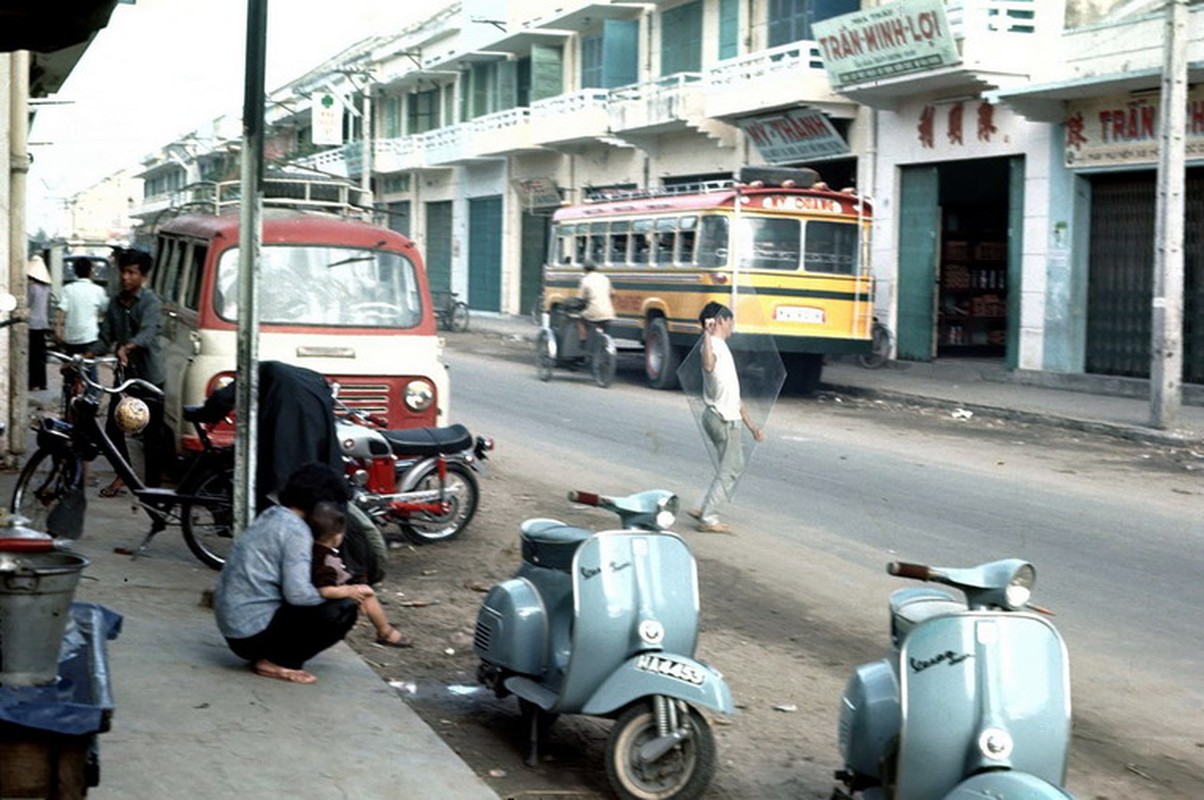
[[1046, 102]]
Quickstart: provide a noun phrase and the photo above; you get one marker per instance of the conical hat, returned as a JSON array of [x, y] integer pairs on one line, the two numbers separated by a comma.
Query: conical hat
[[35, 268]]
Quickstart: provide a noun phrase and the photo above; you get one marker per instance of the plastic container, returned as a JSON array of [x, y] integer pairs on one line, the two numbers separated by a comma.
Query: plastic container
[[36, 590]]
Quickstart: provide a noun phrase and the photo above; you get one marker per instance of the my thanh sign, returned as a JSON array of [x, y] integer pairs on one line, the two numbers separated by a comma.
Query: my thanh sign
[[886, 41], [796, 135]]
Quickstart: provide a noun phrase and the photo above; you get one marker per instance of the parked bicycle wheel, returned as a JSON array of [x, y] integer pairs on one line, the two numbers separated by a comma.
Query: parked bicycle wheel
[[47, 479], [462, 492], [603, 360], [207, 518], [879, 347], [458, 317]]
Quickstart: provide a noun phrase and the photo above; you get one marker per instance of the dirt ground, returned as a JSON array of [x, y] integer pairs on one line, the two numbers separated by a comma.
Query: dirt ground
[[782, 742]]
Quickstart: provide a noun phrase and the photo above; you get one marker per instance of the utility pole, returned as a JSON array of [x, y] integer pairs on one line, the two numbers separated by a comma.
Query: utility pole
[[18, 170], [250, 242], [1166, 352]]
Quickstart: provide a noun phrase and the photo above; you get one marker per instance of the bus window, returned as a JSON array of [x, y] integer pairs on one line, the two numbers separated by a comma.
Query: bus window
[[666, 239], [597, 243], [712, 241], [831, 247], [620, 238], [564, 244], [686, 239], [642, 244], [771, 243], [580, 243], [196, 273]]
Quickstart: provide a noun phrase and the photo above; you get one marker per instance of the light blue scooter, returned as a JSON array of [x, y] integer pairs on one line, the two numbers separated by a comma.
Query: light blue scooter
[[974, 702], [606, 624]]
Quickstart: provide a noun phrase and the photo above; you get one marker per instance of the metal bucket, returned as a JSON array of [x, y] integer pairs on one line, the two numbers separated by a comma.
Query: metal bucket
[[36, 590]]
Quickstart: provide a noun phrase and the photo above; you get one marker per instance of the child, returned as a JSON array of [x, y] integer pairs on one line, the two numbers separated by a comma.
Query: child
[[330, 575]]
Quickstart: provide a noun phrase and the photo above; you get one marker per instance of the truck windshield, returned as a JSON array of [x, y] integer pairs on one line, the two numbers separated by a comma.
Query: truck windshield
[[326, 286]]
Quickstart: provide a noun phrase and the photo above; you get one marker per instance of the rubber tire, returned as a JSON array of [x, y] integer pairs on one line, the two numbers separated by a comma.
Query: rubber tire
[[543, 355], [458, 318], [364, 546], [464, 506], [660, 356], [695, 757], [58, 470], [208, 525], [603, 360], [803, 373]]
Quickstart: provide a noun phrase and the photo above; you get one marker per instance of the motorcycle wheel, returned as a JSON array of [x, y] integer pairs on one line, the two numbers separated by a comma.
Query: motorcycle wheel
[[543, 355], [683, 773], [365, 547], [458, 321], [208, 522], [603, 360], [462, 492], [46, 479]]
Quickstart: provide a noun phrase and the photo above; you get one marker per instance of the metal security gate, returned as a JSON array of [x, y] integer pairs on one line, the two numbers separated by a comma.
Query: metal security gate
[[919, 226], [439, 245], [536, 227], [485, 253], [1120, 285]]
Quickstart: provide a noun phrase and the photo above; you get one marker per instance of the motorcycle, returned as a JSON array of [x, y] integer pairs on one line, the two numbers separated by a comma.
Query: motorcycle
[[974, 701], [558, 344], [606, 624], [422, 479]]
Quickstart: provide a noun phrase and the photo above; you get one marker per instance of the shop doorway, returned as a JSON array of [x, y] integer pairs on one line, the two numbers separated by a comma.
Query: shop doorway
[[959, 259]]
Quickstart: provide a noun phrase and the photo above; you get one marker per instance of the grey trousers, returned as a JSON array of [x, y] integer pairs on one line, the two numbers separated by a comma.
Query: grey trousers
[[725, 436]]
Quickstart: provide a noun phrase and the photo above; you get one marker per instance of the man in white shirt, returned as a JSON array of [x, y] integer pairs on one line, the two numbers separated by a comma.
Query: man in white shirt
[[723, 414], [78, 323], [595, 289]]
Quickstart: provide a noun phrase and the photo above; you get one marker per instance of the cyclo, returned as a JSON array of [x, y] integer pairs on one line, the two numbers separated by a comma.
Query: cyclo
[[558, 343]]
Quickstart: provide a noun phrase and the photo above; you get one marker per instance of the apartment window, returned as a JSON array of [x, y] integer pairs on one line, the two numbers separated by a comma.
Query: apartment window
[[390, 127], [791, 20], [681, 39], [729, 28], [611, 58], [423, 111]]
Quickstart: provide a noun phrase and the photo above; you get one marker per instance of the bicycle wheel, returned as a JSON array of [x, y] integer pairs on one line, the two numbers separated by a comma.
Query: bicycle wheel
[[459, 317], [879, 348], [461, 491], [603, 360], [543, 355], [207, 517], [46, 479]]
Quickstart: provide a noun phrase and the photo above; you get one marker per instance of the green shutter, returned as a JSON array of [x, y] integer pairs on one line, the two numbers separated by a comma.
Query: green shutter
[[439, 245], [620, 52], [547, 71], [507, 86], [919, 226], [485, 253], [1015, 250], [729, 28], [681, 39]]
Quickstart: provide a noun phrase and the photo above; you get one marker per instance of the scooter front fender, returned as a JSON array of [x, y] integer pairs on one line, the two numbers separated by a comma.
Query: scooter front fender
[[1007, 784], [666, 674]]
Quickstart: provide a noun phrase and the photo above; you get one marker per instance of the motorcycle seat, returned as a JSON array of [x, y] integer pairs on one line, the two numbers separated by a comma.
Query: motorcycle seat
[[552, 545], [914, 606], [429, 441]]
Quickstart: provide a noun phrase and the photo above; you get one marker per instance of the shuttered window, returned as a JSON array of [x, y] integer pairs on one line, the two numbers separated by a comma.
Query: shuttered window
[[729, 28], [681, 39], [611, 58]]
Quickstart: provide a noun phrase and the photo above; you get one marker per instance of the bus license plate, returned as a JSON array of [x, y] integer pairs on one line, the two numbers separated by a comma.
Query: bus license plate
[[807, 314]]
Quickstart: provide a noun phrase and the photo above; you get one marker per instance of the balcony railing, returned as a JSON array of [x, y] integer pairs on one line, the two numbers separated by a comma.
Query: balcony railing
[[502, 132], [776, 77], [576, 116], [663, 104], [447, 145]]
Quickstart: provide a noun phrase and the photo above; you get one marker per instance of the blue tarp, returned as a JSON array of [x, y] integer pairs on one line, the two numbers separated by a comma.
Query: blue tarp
[[80, 702]]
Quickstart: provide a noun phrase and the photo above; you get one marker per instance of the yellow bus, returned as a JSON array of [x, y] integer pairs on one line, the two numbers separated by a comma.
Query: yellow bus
[[787, 254]]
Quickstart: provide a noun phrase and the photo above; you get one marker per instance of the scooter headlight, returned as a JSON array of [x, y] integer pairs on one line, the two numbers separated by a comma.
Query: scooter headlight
[[1020, 588], [995, 743]]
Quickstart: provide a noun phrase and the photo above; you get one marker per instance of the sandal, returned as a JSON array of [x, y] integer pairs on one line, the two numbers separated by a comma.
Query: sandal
[[112, 491], [402, 641]]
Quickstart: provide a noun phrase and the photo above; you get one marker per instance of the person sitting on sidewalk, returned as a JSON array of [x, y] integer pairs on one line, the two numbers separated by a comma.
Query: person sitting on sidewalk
[[332, 578], [265, 602]]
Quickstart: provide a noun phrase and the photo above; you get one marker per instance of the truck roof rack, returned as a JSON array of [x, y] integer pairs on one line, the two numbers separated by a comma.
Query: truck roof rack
[[279, 191]]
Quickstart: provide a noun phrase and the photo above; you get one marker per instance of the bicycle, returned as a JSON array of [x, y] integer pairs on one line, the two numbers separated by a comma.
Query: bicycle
[[558, 345], [450, 313], [53, 478], [880, 341]]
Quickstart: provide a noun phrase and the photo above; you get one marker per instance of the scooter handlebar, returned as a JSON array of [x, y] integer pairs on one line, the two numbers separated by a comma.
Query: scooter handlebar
[[585, 498], [918, 572]]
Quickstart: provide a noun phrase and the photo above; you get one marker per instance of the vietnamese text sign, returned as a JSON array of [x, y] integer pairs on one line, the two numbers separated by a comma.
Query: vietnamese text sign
[[894, 39], [795, 135], [326, 119], [1125, 130]]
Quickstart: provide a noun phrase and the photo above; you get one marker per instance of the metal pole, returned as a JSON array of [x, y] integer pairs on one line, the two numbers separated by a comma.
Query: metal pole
[[18, 170], [250, 240], [366, 178], [1166, 355]]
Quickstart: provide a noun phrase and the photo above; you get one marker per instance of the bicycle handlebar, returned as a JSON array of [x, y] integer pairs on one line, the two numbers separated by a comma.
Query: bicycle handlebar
[[79, 361]]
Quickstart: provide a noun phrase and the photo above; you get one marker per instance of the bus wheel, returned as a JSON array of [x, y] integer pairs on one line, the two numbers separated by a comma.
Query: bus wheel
[[803, 371], [660, 356]]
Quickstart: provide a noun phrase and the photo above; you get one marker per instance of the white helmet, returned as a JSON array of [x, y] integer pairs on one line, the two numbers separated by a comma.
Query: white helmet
[[132, 414]]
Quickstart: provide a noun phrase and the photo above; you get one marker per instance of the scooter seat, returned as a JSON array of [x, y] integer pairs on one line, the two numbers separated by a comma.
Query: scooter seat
[[911, 607], [429, 441], [552, 546]]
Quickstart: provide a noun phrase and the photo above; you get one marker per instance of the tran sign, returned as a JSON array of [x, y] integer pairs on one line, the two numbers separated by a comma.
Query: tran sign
[[895, 39]]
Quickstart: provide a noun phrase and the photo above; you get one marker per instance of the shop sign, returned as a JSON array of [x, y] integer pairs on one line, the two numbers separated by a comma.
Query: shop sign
[[801, 134], [537, 192], [949, 122], [886, 41], [1124, 130], [326, 119]]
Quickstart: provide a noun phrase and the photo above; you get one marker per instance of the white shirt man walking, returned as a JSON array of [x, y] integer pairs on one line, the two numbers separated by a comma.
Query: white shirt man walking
[[78, 324], [723, 415]]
